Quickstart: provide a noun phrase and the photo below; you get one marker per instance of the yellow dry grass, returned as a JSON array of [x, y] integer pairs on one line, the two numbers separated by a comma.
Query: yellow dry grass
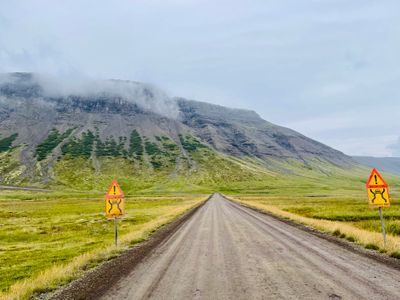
[[59, 274], [362, 237]]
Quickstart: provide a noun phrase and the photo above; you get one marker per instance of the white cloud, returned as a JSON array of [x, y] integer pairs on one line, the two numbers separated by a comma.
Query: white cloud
[[323, 67], [145, 96]]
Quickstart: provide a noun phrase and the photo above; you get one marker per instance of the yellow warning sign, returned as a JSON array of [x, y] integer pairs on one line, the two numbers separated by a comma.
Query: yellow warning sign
[[114, 190], [114, 207], [378, 197], [376, 180], [378, 190], [114, 201]]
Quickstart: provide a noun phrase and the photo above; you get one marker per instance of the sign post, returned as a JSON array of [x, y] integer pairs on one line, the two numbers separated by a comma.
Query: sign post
[[116, 231], [378, 196], [383, 227], [115, 206]]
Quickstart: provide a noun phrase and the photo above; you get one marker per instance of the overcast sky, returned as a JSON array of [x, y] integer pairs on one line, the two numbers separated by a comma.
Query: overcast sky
[[329, 69]]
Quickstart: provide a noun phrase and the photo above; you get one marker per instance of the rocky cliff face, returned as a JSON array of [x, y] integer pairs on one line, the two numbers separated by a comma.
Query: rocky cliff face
[[241, 132], [42, 124]]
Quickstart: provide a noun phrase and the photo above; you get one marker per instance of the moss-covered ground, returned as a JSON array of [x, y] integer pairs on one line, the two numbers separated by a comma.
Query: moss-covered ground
[[341, 210], [49, 238], [39, 231]]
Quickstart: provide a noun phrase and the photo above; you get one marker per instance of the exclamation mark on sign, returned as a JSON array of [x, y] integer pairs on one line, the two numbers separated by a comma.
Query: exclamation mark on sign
[[376, 181], [115, 192]]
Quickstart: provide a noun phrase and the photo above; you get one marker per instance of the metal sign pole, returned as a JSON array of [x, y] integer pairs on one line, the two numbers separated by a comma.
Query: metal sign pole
[[383, 227], [116, 231], [114, 206]]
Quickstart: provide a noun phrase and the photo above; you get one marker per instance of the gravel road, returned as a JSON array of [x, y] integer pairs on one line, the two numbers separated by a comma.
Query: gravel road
[[227, 251]]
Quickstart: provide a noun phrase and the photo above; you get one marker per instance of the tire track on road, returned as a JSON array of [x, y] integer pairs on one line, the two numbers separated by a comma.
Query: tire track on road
[[228, 251]]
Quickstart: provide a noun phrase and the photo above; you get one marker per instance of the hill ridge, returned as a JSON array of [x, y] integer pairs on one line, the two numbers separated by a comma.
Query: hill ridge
[[44, 130]]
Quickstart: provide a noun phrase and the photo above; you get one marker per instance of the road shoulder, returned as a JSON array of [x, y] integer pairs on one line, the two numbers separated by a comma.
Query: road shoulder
[[97, 281], [358, 249]]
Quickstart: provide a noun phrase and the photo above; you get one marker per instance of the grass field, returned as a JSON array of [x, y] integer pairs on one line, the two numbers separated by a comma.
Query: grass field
[[341, 212], [50, 238]]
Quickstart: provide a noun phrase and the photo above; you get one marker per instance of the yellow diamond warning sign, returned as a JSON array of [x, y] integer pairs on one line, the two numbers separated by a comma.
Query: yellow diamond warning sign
[[114, 201], [378, 190]]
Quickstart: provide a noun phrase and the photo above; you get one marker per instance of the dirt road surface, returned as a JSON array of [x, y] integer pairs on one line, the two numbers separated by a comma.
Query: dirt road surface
[[227, 251]]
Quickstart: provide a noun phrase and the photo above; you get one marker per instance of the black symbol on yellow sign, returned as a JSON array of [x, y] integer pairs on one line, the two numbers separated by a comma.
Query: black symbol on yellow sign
[[117, 203], [378, 192]]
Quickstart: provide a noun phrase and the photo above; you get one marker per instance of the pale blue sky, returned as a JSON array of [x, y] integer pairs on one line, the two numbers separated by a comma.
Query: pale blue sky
[[327, 68]]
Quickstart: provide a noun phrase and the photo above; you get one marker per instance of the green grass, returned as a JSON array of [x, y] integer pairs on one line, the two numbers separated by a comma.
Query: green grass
[[165, 168], [339, 205], [151, 166], [40, 230], [340, 209], [11, 167]]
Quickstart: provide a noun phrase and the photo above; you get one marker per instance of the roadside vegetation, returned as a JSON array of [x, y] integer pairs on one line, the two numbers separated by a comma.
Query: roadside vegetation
[[342, 213], [48, 239]]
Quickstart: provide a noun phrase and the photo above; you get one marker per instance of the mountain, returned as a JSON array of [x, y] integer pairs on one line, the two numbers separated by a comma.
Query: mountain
[[79, 134], [241, 132], [385, 164]]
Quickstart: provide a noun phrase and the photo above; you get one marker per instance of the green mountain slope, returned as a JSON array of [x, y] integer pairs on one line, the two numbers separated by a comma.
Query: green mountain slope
[[80, 139]]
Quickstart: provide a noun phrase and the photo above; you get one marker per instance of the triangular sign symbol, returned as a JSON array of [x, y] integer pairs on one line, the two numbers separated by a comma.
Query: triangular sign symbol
[[376, 180], [114, 190]]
